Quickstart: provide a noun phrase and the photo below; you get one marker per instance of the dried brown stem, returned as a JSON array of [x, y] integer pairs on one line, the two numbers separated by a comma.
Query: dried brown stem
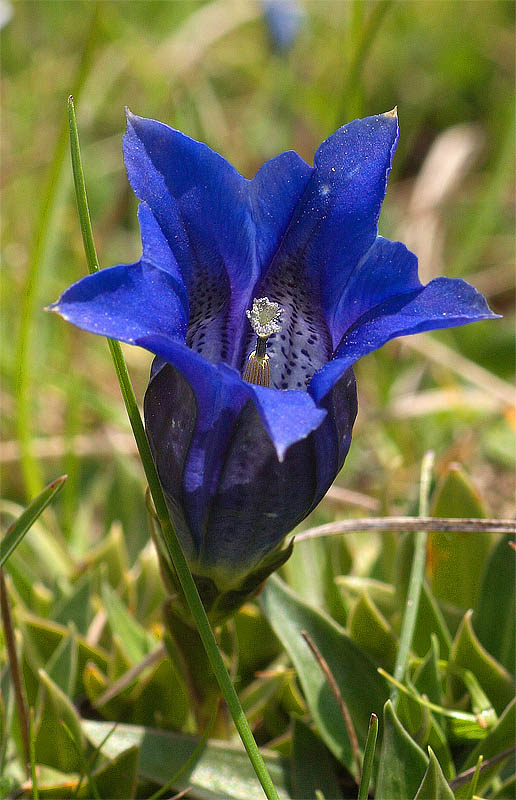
[[451, 524]]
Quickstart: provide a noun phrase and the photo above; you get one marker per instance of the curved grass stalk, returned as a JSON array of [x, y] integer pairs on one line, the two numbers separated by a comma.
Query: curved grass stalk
[[169, 535]]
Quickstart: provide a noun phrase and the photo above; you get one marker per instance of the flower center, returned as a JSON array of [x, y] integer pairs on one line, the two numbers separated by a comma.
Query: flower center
[[264, 319]]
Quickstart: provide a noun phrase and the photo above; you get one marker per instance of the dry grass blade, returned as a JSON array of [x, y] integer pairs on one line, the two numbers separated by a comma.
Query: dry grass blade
[[130, 676], [468, 370], [466, 776], [451, 524]]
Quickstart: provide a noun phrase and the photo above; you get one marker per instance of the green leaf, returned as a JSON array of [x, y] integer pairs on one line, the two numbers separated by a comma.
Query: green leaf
[[62, 665], [468, 653], [257, 644], [382, 594], [507, 790], [116, 779], [161, 698], [494, 615], [455, 560], [430, 620], [222, 772], [434, 785], [111, 552], [18, 529], [363, 690], [371, 631], [41, 638], [75, 606], [497, 740], [53, 745], [136, 641], [402, 762], [313, 766], [426, 678]]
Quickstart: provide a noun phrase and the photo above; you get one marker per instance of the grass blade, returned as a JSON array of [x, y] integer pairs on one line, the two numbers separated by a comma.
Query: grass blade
[[367, 764], [417, 575], [19, 528]]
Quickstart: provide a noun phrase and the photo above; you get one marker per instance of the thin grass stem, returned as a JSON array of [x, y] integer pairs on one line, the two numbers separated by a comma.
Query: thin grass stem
[[19, 528], [169, 535], [32, 745], [367, 764], [417, 575]]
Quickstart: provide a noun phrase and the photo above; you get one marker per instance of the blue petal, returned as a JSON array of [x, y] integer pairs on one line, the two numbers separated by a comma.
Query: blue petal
[[333, 227], [129, 301], [386, 270], [443, 303], [221, 228], [341, 207]]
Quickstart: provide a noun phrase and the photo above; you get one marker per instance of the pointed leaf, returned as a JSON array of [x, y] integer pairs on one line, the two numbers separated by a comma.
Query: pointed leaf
[[363, 690], [382, 594], [402, 762], [111, 552], [117, 779], [53, 745], [136, 641], [313, 766], [467, 652], [161, 698], [371, 631], [456, 560], [497, 740], [434, 785], [75, 606], [62, 666], [426, 679], [41, 638], [494, 615], [18, 529], [222, 769]]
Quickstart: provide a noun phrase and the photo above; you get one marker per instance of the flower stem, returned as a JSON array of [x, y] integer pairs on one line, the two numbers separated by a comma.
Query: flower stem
[[417, 575], [169, 535]]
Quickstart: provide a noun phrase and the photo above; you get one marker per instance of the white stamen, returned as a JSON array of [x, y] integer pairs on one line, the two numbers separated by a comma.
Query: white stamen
[[264, 317]]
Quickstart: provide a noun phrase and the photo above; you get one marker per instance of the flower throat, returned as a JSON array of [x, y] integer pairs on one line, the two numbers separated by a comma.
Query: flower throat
[[264, 319]]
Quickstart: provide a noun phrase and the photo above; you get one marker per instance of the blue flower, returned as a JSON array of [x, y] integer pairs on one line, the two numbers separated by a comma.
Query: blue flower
[[284, 19], [242, 464]]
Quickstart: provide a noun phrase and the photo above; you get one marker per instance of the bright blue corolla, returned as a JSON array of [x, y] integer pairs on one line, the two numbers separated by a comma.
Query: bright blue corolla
[[242, 464]]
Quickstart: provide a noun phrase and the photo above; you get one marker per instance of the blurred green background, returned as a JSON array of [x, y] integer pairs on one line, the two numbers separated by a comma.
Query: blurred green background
[[213, 70]]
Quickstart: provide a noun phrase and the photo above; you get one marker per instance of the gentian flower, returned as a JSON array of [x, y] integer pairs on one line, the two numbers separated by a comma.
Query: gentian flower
[[249, 415], [284, 19]]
